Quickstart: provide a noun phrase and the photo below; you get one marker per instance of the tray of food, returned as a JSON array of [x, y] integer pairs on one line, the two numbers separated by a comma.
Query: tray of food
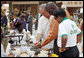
[[29, 51]]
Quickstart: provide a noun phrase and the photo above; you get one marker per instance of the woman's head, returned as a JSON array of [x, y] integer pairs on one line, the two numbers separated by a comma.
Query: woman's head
[[19, 26]]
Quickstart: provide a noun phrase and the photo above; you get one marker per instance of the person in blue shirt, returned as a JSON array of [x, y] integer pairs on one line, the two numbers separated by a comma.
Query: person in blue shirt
[[24, 21], [15, 19]]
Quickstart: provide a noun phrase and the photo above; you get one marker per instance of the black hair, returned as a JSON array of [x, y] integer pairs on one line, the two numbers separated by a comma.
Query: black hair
[[15, 15], [59, 12], [19, 14], [18, 24]]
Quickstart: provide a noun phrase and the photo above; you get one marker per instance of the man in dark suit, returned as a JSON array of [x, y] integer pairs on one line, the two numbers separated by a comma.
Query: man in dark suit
[[30, 22], [4, 20]]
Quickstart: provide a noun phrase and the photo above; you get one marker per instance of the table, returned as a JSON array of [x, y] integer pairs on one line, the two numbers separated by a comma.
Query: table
[[11, 55], [15, 35]]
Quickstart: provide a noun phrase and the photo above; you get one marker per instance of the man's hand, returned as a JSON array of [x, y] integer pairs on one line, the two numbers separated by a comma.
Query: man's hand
[[79, 38], [39, 46], [62, 49], [36, 44], [64, 41]]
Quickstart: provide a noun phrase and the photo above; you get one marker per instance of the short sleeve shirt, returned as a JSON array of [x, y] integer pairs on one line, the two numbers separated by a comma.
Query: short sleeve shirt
[[68, 28]]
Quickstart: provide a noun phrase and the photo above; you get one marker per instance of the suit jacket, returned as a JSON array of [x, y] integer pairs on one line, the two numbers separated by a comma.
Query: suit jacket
[[4, 21], [30, 23]]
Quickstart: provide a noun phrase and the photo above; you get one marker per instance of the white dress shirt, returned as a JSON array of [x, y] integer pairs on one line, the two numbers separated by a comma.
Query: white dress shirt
[[44, 28]]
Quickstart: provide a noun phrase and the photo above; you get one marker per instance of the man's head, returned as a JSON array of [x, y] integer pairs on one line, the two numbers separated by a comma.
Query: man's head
[[43, 11], [42, 8], [59, 14], [29, 12], [15, 16], [22, 17], [50, 7]]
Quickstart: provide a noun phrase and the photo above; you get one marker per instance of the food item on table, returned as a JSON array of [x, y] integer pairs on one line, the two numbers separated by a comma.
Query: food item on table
[[10, 55], [44, 52], [42, 55], [32, 48], [55, 55], [36, 55], [22, 50], [31, 42], [37, 51], [31, 52], [23, 55], [16, 52], [46, 49], [23, 43]]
